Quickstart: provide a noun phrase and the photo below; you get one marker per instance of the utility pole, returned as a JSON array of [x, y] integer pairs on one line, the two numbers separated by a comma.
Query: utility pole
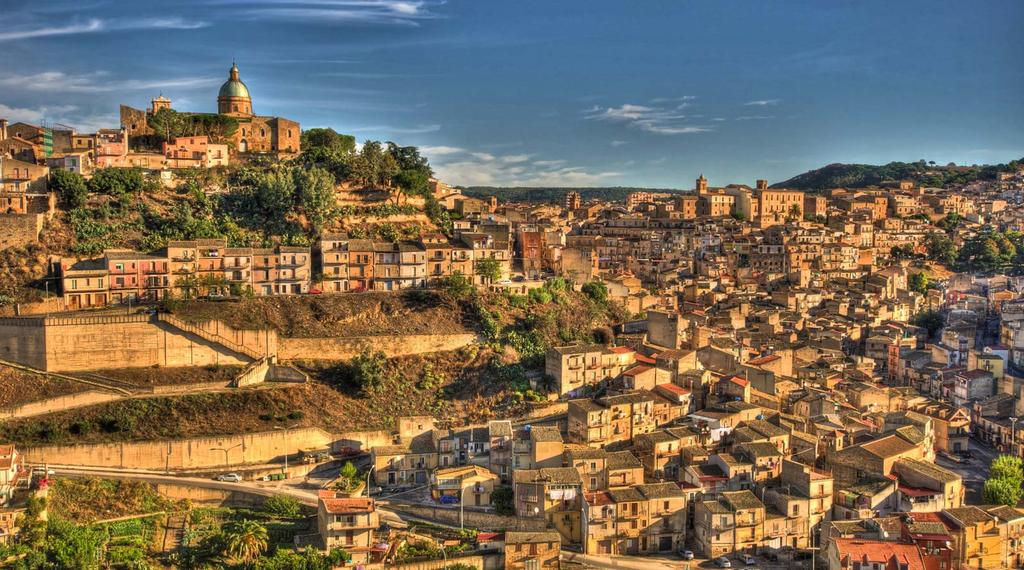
[[287, 444], [1013, 435]]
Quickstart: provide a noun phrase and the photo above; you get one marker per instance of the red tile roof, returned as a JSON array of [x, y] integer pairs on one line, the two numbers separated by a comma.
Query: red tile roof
[[892, 554], [764, 360], [351, 505]]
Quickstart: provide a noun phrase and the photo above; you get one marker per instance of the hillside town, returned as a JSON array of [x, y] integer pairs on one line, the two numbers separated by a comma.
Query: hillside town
[[825, 378]]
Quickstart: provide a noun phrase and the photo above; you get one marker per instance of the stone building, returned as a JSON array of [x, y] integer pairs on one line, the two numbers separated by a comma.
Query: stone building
[[256, 134]]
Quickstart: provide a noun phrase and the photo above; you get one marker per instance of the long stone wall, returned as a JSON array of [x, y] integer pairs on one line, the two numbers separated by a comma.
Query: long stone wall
[[344, 348], [192, 453], [23, 341], [19, 230], [473, 519], [78, 343], [58, 404]]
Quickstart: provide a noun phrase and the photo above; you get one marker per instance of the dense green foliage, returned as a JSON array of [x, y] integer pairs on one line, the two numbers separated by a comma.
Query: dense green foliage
[[921, 172], [992, 251], [503, 499], [70, 187], [282, 506], [169, 124], [932, 321], [1003, 486], [918, 282]]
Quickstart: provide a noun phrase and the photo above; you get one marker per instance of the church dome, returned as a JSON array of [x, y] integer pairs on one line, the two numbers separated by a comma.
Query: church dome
[[233, 87]]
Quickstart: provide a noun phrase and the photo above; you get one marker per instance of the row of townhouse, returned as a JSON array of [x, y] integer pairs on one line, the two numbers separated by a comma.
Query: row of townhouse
[[364, 265], [184, 269], [208, 266]]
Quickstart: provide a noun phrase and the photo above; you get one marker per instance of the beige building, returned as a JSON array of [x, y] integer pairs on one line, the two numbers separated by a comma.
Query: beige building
[[733, 523], [554, 494], [348, 523], [579, 365], [469, 484]]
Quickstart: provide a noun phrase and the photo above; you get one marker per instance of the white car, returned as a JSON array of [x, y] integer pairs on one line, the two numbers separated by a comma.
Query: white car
[[748, 560], [723, 562], [230, 478]]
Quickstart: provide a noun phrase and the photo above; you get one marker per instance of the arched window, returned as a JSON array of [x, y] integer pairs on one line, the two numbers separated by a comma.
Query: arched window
[[263, 132], [243, 132], [289, 133], [234, 107]]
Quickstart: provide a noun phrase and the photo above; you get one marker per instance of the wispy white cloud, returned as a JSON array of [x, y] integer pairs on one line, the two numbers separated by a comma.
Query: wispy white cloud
[[656, 119], [762, 103], [386, 129], [440, 150], [97, 25], [754, 117], [618, 143], [339, 12], [98, 82], [486, 169], [64, 114], [33, 115]]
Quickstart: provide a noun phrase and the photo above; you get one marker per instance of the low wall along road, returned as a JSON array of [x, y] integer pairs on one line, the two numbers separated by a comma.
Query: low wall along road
[[344, 348]]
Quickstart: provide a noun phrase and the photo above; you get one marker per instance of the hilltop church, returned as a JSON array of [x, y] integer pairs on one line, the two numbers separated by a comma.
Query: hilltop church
[[256, 134]]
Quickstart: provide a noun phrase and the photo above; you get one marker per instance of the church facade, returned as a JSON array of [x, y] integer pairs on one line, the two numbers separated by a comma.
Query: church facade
[[256, 134]]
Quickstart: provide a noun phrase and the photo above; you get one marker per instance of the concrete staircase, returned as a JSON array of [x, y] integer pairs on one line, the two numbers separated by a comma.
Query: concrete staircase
[[209, 336]]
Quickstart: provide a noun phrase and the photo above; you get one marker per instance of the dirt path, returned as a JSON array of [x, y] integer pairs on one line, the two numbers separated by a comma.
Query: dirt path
[[174, 532]]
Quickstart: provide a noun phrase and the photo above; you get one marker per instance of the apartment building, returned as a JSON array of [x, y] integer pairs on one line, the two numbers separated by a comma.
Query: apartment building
[[601, 470], [533, 550], [732, 523], [554, 494], [635, 520], [348, 523], [186, 268], [194, 152], [580, 365], [467, 484]]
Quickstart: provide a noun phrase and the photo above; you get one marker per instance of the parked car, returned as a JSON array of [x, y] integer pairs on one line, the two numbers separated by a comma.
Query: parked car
[[771, 556], [686, 554], [229, 478], [748, 560], [723, 562], [449, 499]]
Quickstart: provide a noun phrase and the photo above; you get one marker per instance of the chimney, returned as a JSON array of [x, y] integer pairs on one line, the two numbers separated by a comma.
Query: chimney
[[762, 184], [3, 129]]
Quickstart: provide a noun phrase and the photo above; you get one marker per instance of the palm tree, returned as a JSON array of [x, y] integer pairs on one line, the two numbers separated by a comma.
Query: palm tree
[[245, 540]]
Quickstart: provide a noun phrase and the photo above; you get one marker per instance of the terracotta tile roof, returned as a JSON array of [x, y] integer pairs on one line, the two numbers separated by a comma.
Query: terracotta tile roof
[[350, 505], [893, 555]]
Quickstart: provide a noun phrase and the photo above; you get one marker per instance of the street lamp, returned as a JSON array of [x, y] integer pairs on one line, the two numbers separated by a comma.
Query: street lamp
[[1013, 435], [370, 470], [444, 553], [462, 506], [226, 450], [287, 443]]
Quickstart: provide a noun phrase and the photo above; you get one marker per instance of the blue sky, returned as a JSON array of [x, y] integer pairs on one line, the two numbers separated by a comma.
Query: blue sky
[[555, 92]]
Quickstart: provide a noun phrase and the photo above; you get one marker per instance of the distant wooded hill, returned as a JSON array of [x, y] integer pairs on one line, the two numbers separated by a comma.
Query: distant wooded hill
[[921, 172], [541, 194]]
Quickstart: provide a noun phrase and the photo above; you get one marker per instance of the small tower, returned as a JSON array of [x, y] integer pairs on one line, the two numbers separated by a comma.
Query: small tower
[[702, 184], [158, 103], [762, 184]]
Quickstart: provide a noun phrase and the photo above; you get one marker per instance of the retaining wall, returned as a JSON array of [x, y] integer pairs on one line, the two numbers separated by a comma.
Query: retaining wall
[[192, 453], [344, 348], [58, 404], [473, 519], [79, 343]]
